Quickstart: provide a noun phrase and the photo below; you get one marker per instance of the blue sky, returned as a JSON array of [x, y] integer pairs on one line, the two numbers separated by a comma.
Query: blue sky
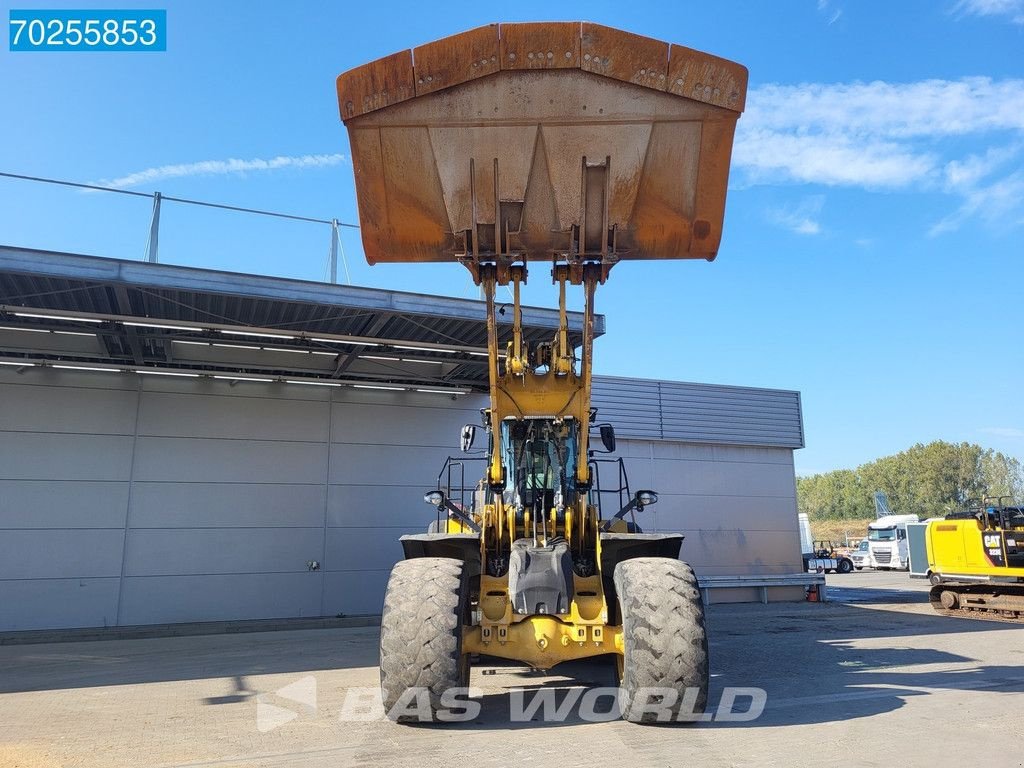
[[874, 238]]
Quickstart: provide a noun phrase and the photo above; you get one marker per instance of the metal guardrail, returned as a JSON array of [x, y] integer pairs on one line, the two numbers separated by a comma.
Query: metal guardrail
[[153, 245], [762, 583]]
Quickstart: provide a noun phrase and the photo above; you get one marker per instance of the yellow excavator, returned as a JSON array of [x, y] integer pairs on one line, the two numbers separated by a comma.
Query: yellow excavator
[[976, 560], [576, 146]]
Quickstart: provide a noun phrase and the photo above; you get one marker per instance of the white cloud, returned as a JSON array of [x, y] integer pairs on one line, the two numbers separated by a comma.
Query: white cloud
[[830, 9], [801, 218], [875, 135], [995, 201], [1011, 9], [929, 108], [1010, 432], [966, 173], [769, 156], [883, 135], [998, 203], [221, 168]]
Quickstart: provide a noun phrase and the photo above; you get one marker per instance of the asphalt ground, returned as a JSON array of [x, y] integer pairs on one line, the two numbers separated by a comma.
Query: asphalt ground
[[874, 677]]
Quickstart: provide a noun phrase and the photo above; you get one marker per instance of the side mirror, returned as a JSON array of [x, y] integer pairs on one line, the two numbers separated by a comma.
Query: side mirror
[[645, 499], [443, 503], [468, 436], [638, 502], [608, 437]]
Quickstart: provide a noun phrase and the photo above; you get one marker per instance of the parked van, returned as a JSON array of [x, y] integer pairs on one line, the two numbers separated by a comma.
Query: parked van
[[861, 556]]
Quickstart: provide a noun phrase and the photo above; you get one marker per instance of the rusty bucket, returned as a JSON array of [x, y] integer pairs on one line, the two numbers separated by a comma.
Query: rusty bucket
[[556, 140]]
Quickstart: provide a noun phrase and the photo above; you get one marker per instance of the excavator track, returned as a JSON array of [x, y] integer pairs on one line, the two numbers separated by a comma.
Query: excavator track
[[989, 602]]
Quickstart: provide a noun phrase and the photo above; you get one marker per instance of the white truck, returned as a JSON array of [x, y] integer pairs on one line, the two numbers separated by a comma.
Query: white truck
[[887, 542]]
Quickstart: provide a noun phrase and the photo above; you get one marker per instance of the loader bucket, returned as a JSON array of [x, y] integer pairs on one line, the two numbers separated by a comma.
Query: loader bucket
[[554, 140]]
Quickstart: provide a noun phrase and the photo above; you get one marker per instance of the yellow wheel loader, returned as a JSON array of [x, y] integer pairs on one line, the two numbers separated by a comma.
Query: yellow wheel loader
[[575, 146], [976, 560]]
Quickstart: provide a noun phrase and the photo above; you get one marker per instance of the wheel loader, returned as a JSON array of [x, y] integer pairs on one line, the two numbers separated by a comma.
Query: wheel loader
[[572, 147], [976, 560]]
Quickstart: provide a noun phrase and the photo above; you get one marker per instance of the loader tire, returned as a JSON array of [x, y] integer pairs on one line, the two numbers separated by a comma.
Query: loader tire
[[665, 642], [421, 657]]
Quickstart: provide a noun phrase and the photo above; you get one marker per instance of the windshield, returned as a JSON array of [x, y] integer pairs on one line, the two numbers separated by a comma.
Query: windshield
[[540, 457], [882, 534], [863, 546]]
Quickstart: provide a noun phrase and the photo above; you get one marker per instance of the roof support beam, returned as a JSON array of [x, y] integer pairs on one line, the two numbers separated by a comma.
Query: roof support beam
[[125, 307], [106, 337], [374, 328]]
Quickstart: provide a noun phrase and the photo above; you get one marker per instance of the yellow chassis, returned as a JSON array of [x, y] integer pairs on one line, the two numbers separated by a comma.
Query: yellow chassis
[[957, 548], [542, 641]]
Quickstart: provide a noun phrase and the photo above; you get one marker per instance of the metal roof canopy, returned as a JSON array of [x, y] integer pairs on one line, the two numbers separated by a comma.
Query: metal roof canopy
[[140, 316]]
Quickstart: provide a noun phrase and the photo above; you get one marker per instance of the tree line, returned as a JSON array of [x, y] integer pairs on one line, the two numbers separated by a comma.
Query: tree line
[[924, 480]]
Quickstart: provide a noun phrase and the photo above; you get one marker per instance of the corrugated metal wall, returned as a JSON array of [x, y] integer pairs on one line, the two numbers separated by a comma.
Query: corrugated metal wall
[[700, 413], [736, 505], [137, 500]]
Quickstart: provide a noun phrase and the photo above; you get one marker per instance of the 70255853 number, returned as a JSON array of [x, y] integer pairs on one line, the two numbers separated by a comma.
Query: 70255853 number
[[101, 30]]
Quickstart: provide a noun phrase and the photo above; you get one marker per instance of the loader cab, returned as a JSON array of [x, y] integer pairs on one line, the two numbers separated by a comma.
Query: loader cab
[[539, 456]]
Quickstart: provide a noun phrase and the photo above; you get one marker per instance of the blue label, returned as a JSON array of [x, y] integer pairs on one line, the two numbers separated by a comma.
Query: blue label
[[78, 30]]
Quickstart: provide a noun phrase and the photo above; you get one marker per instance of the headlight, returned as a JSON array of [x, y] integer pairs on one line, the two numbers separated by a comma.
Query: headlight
[[436, 498], [647, 497]]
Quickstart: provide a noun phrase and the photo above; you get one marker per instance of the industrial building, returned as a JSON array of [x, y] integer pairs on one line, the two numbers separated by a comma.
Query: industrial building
[[187, 445]]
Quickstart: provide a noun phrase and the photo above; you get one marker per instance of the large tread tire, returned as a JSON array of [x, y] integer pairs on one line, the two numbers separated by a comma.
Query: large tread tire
[[425, 606], [845, 566], [665, 641]]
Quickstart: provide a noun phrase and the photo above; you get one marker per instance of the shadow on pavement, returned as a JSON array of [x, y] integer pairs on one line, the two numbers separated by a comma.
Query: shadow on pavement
[[130, 662], [817, 663]]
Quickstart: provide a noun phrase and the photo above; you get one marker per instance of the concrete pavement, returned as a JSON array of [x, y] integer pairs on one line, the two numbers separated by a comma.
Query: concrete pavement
[[873, 677]]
